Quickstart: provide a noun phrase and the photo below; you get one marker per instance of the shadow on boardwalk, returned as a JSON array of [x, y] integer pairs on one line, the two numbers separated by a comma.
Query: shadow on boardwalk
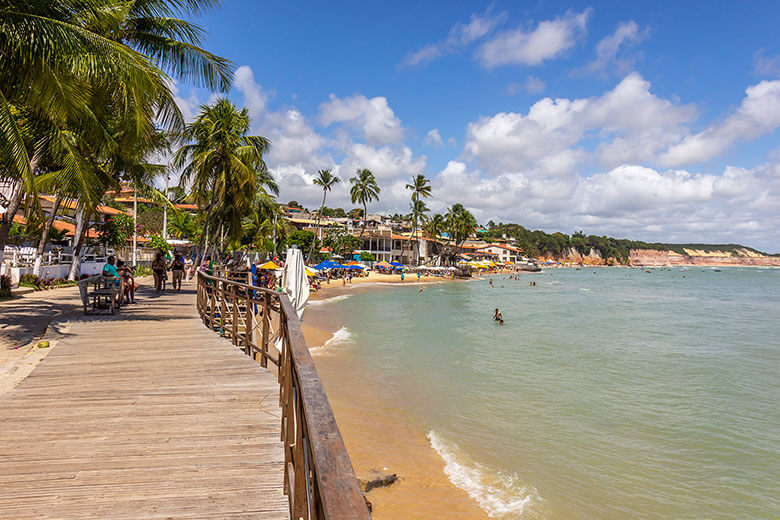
[[142, 415]]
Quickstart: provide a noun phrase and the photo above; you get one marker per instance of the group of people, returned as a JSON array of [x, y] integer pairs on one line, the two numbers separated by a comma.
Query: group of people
[[120, 271], [179, 267]]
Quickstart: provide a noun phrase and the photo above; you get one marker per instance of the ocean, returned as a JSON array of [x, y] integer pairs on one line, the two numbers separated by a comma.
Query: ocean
[[607, 393]]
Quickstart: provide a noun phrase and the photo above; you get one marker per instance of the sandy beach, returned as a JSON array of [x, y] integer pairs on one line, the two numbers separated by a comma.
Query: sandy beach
[[378, 435]]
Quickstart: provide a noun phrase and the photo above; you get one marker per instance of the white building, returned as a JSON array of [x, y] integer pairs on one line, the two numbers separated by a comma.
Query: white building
[[504, 252]]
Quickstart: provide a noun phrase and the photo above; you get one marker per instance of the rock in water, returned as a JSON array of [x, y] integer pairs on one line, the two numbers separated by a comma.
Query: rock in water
[[384, 481]]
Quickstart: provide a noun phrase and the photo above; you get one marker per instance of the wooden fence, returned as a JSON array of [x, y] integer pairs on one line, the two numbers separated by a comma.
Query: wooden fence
[[318, 476]]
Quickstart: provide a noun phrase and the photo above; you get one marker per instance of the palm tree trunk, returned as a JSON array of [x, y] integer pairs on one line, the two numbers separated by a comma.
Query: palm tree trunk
[[78, 237], [8, 216], [317, 232], [45, 235], [365, 221]]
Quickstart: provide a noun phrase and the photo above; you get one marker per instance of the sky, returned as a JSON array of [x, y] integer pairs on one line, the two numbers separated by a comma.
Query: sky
[[649, 121]]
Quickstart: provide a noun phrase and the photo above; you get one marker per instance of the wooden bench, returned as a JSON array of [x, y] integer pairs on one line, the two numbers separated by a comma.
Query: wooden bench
[[106, 294]]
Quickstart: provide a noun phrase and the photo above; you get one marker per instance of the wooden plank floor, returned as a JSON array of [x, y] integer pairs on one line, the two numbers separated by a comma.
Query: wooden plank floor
[[143, 415]]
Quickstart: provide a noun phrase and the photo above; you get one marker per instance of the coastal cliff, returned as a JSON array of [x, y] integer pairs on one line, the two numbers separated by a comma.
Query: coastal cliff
[[737, 257], [668, 257]]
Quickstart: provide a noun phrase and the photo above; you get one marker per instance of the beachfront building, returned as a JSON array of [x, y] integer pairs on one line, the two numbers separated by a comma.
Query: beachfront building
[[310, 224], [380, 244], [501, 252]]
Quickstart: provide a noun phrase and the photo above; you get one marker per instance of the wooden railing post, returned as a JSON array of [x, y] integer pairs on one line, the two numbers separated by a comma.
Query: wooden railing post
[[222, 308], [249, 327], [266, 326], [234, 327]]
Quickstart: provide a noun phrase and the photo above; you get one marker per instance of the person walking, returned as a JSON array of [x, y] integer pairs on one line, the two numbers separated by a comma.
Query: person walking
[[158, 270], [189, 269], [177, 270]]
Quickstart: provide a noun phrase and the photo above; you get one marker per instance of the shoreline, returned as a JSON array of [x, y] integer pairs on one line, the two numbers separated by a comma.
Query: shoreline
[[381, 438]]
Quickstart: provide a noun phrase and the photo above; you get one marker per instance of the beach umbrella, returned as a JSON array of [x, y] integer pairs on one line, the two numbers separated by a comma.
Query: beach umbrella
[[396, 264], [355, 267], [310, 271], [382, 264], [269, 265]]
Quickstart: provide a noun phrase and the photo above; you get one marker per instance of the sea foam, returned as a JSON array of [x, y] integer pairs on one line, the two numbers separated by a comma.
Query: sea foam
[[498, 494], [330, 300], [340, 336]]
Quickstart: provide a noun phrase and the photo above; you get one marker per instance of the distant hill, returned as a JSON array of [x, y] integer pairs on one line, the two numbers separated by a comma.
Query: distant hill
[[604, 250]]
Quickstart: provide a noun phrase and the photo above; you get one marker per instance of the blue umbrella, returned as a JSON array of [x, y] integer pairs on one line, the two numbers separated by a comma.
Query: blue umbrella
[[327, 264], [396, 264], [355, 267]]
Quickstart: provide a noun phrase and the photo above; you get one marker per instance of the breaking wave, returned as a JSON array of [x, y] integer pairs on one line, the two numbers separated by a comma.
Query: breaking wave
[[499, 495], [330, 300], [340, 336]]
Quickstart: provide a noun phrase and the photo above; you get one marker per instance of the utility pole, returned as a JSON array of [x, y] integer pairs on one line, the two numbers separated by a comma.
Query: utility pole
[[135, 223], [165, 208]]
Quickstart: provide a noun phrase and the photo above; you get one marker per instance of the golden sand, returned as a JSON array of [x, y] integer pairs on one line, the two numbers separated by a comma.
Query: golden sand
[[380, 437]]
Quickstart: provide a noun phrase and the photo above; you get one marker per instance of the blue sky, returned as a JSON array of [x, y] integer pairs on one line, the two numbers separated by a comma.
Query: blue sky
[[637, 120]]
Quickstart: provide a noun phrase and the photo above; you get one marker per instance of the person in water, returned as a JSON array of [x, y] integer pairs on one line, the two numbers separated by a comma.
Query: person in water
[[498, 316]]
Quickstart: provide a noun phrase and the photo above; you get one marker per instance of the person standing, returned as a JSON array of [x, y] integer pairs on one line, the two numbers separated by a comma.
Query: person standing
[[158, 270], [177, 270], [189, 269]]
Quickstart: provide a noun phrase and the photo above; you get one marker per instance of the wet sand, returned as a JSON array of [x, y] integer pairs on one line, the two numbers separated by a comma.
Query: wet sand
[[380, 437]]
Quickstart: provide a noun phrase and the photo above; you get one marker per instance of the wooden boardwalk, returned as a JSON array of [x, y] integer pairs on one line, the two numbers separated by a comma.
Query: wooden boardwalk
[[143, 415]]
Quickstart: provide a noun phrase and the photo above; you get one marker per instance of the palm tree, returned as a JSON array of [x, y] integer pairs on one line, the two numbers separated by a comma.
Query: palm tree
[[224, 165], [72, 69], [364, 190], [265, 224], [326, 180], [434, 226], [460, 224], [421, 189]]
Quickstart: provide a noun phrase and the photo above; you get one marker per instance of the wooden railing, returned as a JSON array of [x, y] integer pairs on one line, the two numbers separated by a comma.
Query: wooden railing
[[318, 476]]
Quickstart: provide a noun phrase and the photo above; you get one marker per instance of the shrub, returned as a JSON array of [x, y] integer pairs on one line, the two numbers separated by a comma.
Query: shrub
[[5, 286], [30, 280]]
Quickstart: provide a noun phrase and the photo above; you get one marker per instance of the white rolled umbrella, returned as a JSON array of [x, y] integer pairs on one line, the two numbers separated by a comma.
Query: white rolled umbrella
[[295, 282]]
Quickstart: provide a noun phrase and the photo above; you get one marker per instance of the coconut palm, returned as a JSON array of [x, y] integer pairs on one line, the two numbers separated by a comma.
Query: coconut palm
[[326, 180], [364, 190], [224, 165], [72, 69], [434, 226], [265, 224], [460, 224], [421, 189]]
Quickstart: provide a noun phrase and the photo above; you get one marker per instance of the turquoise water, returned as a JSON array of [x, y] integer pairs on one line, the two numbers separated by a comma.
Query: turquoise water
[[608, 394]]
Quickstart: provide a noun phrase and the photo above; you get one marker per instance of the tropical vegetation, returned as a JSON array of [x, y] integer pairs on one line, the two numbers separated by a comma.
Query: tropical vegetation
[[364, 190]]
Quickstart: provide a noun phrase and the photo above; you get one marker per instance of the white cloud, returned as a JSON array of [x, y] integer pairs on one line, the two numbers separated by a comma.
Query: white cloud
[[629, 201], [189, 105], [627, 34], [766, 65], [632, 124], [254, 98], [373, 117], [460, 35], [549, 40], [532, 85], [433, 137], [758, 115]]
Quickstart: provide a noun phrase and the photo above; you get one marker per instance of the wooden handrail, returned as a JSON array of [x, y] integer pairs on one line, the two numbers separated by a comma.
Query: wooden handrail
[[319, 480]]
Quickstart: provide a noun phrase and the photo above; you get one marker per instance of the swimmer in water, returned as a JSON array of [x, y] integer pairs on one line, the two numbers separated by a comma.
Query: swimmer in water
[[498, 316]]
